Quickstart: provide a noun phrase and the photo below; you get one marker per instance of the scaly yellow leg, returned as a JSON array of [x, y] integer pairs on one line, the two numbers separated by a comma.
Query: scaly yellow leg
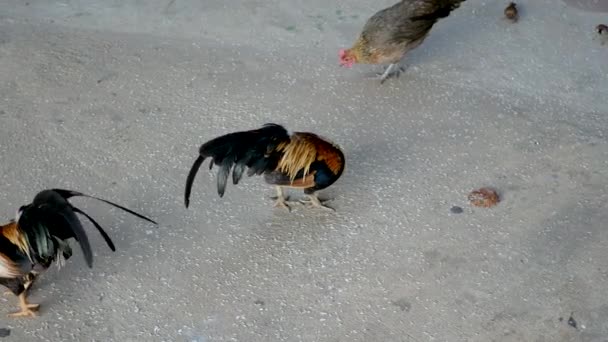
[[280, 199], [27, 309]]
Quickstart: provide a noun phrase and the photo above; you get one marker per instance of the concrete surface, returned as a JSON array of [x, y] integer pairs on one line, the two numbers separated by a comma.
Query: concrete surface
[[113, 99]]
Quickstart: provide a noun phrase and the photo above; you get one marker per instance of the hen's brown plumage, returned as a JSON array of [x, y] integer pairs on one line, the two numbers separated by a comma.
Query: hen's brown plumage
[[300, 160], [390, 33]]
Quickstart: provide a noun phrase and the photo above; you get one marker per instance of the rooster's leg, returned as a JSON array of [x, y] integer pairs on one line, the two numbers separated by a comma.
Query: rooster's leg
[[281, 201], [315, 202], [27, 309], [30, 278], [29, 281]]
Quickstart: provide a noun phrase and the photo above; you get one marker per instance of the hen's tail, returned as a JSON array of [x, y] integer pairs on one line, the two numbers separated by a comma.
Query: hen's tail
[[441, 9], [253, 149]]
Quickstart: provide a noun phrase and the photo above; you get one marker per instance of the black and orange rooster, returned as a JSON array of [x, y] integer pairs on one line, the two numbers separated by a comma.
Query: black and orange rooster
[[299, 160], [38, 237]]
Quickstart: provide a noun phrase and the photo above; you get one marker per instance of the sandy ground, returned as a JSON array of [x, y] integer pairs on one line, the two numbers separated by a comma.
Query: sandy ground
[[114, 99]]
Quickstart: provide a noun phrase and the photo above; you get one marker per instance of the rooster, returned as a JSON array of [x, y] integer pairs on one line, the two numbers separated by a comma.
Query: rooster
[[299, 160], [38, 237], [390, 33]]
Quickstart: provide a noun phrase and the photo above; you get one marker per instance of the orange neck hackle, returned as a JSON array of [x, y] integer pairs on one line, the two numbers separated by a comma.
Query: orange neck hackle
[[298, 154], [13, 233]]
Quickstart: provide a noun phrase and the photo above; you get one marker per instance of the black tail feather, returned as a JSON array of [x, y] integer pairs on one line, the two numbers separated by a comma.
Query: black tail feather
[[69, 193], [191, 175], [103, 233], [442, 12], [47, 220], [75, 226]]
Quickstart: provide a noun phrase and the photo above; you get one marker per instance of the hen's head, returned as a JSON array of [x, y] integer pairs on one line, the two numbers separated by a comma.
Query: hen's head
[[347, 59]]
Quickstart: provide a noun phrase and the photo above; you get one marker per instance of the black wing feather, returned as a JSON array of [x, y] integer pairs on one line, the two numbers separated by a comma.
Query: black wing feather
[[222, 176], [237, 172], [237, 151]]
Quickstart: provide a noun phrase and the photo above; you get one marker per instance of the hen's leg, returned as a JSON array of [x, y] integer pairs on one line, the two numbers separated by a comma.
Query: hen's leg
[[393, 70], [27, 309], [281, 201], [315, 202]]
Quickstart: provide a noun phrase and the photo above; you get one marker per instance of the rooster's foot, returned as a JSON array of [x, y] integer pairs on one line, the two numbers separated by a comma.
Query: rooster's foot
[[27, 309], [314, 202], [282, 203], [280, 199], [27, 312]]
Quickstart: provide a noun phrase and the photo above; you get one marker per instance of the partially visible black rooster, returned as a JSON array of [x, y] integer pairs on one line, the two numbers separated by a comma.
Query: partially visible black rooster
[[300, 160], [39, 237]]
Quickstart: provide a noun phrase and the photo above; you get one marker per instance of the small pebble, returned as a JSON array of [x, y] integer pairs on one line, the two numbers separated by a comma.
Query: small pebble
[[5, 332], [484, 197], [572, 322], [511, 12], [456, 210]]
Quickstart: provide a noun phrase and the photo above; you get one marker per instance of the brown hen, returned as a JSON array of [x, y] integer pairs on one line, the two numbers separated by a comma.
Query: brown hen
[[390, 33]]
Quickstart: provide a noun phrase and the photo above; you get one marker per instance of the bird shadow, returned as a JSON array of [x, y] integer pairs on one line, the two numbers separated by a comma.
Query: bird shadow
[[366, 167], [452, 36]]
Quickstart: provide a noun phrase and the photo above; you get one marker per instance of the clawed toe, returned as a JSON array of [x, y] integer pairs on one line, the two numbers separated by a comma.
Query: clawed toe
[[276, 198], [392, 71], [30, 311], [314, 202], [25, 313], [394, 74], [281, 203]]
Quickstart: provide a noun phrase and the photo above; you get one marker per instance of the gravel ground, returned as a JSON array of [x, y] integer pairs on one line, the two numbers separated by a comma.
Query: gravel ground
[[114, 99]]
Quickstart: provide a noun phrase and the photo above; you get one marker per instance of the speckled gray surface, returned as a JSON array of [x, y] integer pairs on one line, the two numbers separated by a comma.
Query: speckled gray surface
[[114, 100]]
